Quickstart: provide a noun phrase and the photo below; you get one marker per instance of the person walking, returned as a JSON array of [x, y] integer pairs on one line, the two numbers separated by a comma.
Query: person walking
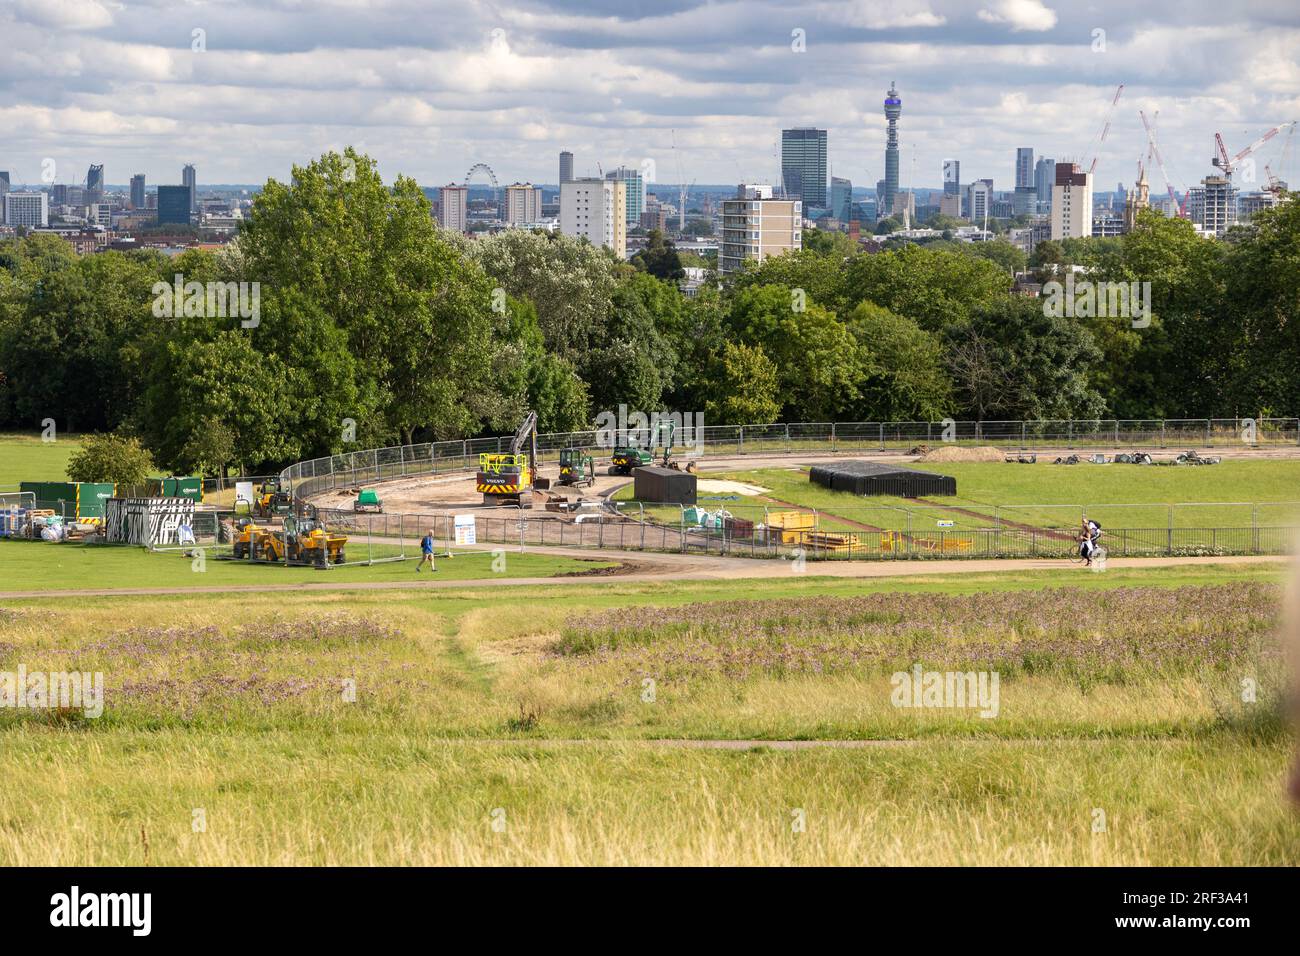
[[426, 553]]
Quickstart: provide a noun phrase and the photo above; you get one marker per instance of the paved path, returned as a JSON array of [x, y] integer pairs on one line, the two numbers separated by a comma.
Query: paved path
[[677, 567]]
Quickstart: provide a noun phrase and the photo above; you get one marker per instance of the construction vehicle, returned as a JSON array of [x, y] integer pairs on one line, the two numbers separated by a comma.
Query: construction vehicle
[[506, 478], [627, 456], [668, 460], [302, 541], [245, 537], [272, 499], [577, 467], [368, 500]]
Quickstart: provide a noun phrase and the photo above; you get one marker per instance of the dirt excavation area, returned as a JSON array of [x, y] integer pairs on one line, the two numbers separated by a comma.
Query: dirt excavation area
[[454, 493]]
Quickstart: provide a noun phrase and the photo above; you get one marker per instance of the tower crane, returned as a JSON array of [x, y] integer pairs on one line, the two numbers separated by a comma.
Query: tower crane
[[1105, 129], [1228, 165], [681, 187], [1154, 150]]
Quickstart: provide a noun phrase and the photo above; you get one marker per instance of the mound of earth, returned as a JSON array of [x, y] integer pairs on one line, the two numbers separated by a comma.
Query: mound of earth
[[958, 453]]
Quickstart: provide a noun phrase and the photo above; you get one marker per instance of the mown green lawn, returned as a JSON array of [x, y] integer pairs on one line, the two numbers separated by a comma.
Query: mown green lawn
[[1044, 495], [26, 458], [33, 565]]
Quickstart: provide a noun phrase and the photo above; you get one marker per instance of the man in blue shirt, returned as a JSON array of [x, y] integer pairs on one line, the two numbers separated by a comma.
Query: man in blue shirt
[[426, 551]]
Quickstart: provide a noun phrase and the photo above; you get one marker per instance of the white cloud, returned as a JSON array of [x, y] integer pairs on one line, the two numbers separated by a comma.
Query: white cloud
[[64, 14], [1021, 15]]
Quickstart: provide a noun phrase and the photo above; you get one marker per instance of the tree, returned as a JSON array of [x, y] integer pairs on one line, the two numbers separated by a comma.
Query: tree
[[744, 386], [415, 312], [905, 377], [1015, 360], [210, 449], [116, 458], [819, 363], [568, 280], [930, 286], [659, 258]]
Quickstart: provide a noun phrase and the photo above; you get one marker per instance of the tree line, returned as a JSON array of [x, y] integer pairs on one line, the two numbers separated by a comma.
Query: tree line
[[377, 327]]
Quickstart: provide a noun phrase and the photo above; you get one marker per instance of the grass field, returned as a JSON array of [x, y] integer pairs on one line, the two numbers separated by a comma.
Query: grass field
[[1041, 495], [516, 725], [26, 458], [39, 565]]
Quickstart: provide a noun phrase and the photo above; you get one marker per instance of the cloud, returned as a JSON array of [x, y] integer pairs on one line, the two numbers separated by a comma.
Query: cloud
[[1021, 15], [64, 14]]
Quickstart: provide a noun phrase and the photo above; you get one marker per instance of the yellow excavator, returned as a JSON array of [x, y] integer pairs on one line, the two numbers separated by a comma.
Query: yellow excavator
[[506, 478]]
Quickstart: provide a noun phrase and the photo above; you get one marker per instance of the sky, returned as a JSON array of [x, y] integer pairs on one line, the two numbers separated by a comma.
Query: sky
[[245, 89]]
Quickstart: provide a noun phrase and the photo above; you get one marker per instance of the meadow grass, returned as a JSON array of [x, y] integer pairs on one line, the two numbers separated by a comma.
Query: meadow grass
[[523, 706]]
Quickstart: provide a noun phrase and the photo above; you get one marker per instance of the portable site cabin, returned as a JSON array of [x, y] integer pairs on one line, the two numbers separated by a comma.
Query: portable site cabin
[[80, 500], [663, 485]]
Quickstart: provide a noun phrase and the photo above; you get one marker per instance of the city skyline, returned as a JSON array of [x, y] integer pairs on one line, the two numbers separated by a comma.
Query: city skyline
[[136, 89]]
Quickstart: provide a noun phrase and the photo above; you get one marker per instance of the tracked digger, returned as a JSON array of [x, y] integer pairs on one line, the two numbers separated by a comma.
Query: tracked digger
[[507, 478]]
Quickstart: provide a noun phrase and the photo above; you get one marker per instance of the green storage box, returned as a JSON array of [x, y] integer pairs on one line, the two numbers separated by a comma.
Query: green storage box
[[71, 499], [190, 487]]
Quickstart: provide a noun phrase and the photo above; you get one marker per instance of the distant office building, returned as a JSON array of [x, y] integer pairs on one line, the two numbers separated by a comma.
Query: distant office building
[[174, 205], [453, 207], [30, 209], [1044, 180], [1024, 201], [100, 214], [841, 198], [1213, 204], [523, 203], [137, 191], [979, 200], [950, 205], [1071, 202], [566, 166], [4, 181], [893, 110], [803, 166], [190, 181], [631, 178], [755, 226], [1025, 166], [863, 210], [94, 184], [595, 209], [952, 183]]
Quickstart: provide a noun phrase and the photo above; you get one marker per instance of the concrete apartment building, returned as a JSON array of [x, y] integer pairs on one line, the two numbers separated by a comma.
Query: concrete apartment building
[[1071, 202], [30, 209], [755, 226], [453, 207], [523, 203], [595, 209]]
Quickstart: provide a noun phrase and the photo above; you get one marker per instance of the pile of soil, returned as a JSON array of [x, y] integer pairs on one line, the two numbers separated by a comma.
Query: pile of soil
[[958, 453]]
